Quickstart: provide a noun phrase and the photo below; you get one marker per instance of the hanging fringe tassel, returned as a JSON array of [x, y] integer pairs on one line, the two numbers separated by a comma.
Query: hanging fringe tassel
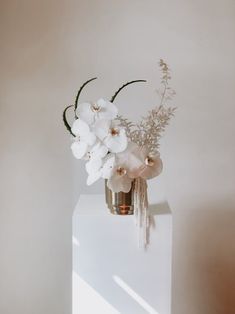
[[142, 217]]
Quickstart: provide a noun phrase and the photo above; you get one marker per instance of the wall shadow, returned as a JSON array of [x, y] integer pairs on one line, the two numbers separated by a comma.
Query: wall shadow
[[160, 208], [204, 267]]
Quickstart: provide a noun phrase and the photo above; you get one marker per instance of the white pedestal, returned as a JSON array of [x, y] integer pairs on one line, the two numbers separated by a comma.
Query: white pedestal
[[110, 273]]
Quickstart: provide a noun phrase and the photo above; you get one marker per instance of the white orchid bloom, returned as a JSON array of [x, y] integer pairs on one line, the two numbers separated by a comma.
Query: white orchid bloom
[[111, 134], [151, 164], [120, 169], [119, 180], [117, 175], [101, 109], [118, 166], [95, 161], [83, 138]]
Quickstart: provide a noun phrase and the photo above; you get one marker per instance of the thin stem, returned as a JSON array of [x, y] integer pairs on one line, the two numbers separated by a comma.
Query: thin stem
[[163, 94], [68, 127], [79, 93], [123, 86]]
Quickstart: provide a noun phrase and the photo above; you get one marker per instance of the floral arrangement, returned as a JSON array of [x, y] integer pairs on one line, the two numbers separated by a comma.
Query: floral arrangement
[[115, 148]]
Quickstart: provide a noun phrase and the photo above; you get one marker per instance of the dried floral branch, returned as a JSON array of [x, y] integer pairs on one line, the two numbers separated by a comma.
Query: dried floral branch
[[167, 92], [150, 129], [128, 125]]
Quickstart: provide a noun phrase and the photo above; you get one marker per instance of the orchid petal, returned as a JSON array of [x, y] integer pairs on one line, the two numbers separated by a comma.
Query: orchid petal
[[98, 151], [79, 149], [109, 111], [108, 166], [119, 183], [103, 151], [93, 165], [116, 144], [101, 128], [150, 172], [85, 113], [102, 103], [80, 127], [90, 138], [130, 156], [93, 177]]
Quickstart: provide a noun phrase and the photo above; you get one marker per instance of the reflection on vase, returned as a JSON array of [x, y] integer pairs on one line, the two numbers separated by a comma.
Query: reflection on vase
[[119, 203]]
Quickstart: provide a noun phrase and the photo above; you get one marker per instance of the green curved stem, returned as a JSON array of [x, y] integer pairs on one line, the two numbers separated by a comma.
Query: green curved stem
[[78, 95], [123, 86], [68, 127]]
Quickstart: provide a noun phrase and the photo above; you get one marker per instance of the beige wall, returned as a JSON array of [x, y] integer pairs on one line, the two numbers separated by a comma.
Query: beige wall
[[48, 48]]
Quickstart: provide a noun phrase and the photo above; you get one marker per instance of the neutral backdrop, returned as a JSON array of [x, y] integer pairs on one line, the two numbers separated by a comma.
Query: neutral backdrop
[[48, 49]]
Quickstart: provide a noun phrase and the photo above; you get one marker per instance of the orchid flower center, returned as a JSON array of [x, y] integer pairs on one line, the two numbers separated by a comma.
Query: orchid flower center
[[114, 131], [88, 156], [121, 171], [149, 161], [78, 139], [95, 108]]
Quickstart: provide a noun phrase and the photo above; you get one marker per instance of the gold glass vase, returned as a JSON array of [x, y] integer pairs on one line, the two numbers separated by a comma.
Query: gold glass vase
[[119, 203]]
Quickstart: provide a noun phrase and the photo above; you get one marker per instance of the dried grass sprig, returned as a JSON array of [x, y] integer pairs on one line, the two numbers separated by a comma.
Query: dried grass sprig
[[165, 92], [127, 124], [149, 130]]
